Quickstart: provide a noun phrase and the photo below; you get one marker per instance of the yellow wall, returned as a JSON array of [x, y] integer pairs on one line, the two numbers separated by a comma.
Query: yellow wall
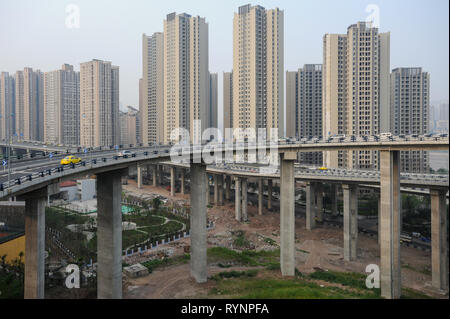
[[12, 248]]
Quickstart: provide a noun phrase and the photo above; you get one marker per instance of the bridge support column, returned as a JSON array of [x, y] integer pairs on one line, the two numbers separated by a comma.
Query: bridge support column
[[319, 202], [269, 194], [182, 181], [390, 224], [260, 196], [379, 220], [244, 200], [160, 174], [237, 198], [334, 207], [350, 221], [139, 176], [216, 190], [439, 244], [154, 175], [227, 187], [109, 235], [198, 223], [172, 181], [220, 186], [310, 206], [287, 214], [207, 189]]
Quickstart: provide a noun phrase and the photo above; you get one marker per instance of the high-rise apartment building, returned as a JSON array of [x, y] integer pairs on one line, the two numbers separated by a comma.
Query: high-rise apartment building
[[410, 105], [186, 75], [213, 98], [304, 107], [129, 126], [99, 104], [152, 111], [62, 106], [356, 90], [7, 105], [227, 100], [258, 68], [29, 104]]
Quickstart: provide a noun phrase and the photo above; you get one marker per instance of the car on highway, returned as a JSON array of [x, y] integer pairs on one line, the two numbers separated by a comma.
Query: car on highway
[[126, 153], [322, 168], [71, 159]]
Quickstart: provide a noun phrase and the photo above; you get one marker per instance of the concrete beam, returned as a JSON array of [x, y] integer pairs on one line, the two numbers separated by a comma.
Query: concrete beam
[[287, 217], [260, 196], [198, 223], [350, 193], [109, 235], [154, 175], [244, 200], [310, 206], [216, 190], [439, 244], [390, 224], [182, 181], [237, 198]]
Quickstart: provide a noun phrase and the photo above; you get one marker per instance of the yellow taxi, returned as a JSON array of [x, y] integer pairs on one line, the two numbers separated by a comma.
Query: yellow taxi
[[70, 159], [323, 168]]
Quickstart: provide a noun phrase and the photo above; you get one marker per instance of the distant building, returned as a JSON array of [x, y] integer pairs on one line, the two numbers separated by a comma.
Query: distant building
[[227, 100], [356, 69], [304, 107], [86, 189], [410, 105], [152, 95], [213, 96], [99, 104], [62, 106], [130, 126], [258, 68], [7, 105]]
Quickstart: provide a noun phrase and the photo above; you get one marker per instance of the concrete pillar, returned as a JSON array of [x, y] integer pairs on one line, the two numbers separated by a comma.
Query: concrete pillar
[[154, 172], [334, 207], [319, 202], [260, 196], [390, 224], [379, 220], [244, 200], [207, 189], [34, 244], [227, 187], [237, 198], [310, 206], [269, 194], [350, 196], [109, 235], [439, 244], [182, 181], [139, 176], [172, 181], [216, 190], [160, 174], [198, 223], [287, 214], [220, 186]]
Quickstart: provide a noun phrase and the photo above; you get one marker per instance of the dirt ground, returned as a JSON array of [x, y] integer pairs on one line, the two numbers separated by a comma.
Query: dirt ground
[[321, 247]]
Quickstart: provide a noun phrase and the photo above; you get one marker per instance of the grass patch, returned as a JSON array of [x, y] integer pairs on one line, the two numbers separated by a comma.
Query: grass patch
[[157, 263], [293, 288], [247, 257], [240, 240], [270, 241]]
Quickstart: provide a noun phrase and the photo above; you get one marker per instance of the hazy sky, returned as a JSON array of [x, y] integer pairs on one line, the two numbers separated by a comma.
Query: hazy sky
[[33, 33]]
